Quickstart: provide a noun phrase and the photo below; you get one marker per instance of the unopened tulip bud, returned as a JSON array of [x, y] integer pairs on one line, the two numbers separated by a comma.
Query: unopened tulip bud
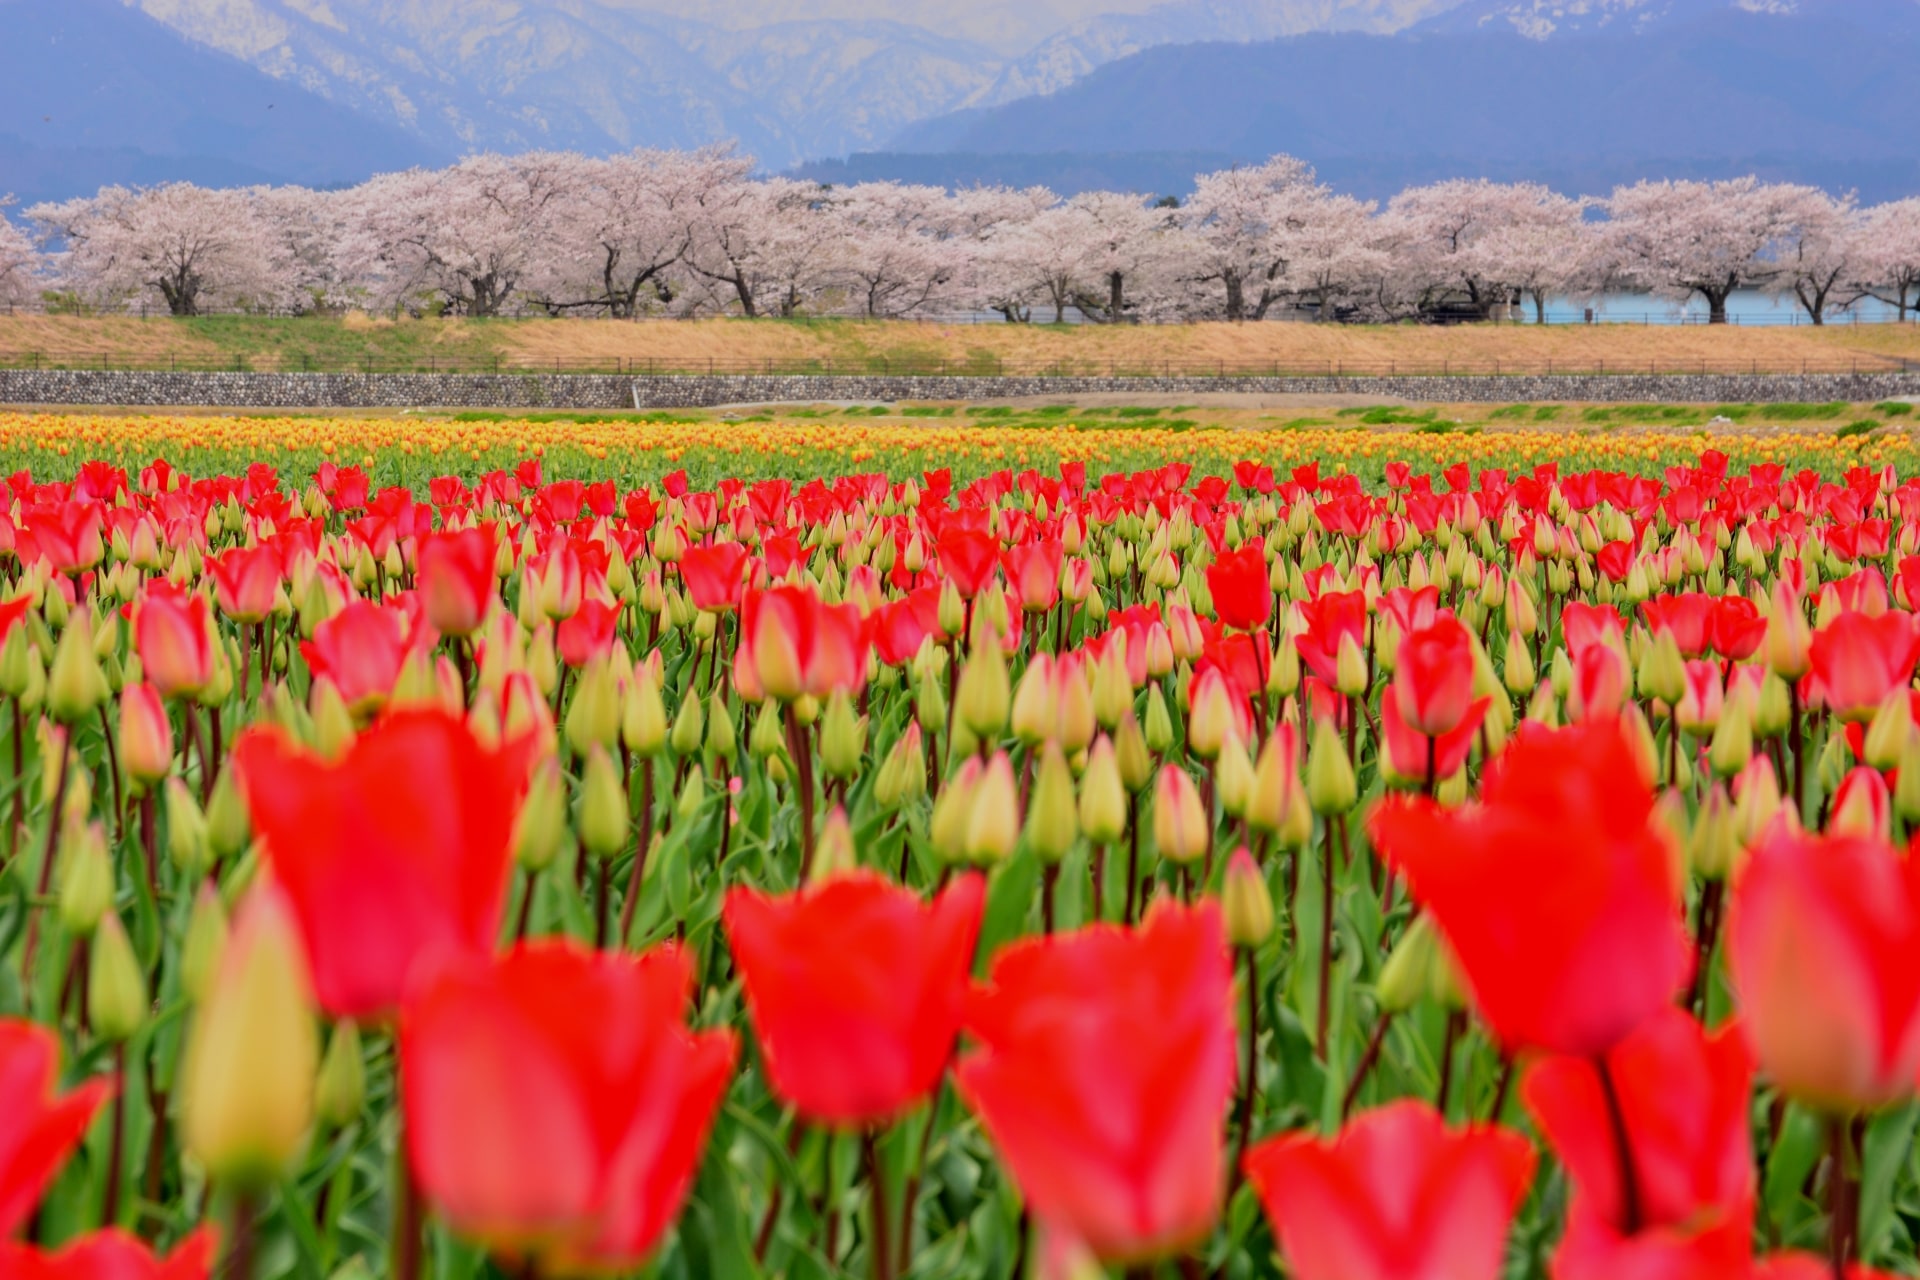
[[541, 828], [1834, 763], [1158, 732], [1246, 902], [341, 1088], [1052, 818], [333, 727], [769, 736], [205, 942], [76, 686], [1103, 796], [1663, 672], [1211, 720], [722, 740], [1112, 688], [1890, 729], [689, 727], [1788, 645], [1131, 753], [602, 819], [595, 712], [1862, 806], [1773, 708], [833, 853], [187, 843], [1420, 968], [543, 664], [693, 794], [1710, 844], [1331, 785], [1906, 792], [1518, 672], [643, 719], [146, 735], [982, 698], [86, 875], [117, 1001], [1074, 722], [947, 826], [843, 737], [247, 1083], [1233, 777], [1732, 745], [993, 817], [952, 612], [1180, 821], [1350, 668], [1036, 703], [1276, 780], [229, 827]]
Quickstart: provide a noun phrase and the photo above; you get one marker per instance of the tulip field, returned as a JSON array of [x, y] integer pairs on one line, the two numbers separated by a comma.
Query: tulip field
[[442, 849]]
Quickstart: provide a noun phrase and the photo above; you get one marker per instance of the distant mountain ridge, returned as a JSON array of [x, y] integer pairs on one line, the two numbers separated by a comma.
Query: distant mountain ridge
[[1710, 90], [92, 92]]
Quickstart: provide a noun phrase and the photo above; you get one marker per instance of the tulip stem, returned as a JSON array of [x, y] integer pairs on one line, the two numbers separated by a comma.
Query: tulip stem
[[46, 861], [880, 1248], [1630, 1216], [1364, 1068], [113, 771], [1133, 857], [803, 783], [1706, 931], [1842, 1197], [1249, 1075], [116, 1141], [1325, 1009], [406, 1212], [1795, 748], [1449, 1042], [602, 902], [246, 1214], [19, 784], [764, 1237]]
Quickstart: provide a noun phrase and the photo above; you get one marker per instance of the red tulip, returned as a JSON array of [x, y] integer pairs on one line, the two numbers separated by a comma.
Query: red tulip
[[1589, 1251], [455, 576], [245, 582], [1586, 625], [1599, 683], [792, 644], [1238, 582], [1821, 940], [1105, 1067], [110, 1255], [588, 633], [396, 853], [901, 626], [856, 989], [713, 575], [38, 1129], [1396, 1196], [1809, 1266], [1735, 628], [1410, 752], [1859, 659], [1683, 1099], [1685, 616], [1331, 618], [67, 536], [1433, 678], [1556, 893], [1033, 571], [969, 557], [361, 650], [556, 1103], [173, 634]]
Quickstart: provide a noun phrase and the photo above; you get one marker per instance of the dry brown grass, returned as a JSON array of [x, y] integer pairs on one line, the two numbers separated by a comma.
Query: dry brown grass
[[1290, 346]]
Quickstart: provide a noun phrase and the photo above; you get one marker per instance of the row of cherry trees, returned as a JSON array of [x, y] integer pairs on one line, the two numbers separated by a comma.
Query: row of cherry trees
[[688, 233]]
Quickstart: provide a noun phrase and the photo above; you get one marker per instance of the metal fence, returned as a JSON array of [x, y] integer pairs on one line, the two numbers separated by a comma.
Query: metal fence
[[975, 366]]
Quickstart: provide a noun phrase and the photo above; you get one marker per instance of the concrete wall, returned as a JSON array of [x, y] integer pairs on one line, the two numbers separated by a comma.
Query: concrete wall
[[592, 391]]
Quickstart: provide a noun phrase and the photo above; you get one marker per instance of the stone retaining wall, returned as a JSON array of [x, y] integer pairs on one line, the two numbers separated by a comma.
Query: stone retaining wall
[[608, 391]]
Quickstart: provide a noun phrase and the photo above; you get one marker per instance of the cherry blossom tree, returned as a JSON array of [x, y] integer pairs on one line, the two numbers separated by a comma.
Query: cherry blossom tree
[[19, 264], [621, 237], [1127, 245], [1469, 246], [899, 254], [193, 247], [1889, 255], [1339, 261], [1238, 221], [468, 237], [1819, 256], [1683, 240], [763, 247]]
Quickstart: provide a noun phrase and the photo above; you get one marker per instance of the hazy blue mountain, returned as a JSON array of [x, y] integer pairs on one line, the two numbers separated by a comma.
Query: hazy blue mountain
[[1822, 93], [92, 92]]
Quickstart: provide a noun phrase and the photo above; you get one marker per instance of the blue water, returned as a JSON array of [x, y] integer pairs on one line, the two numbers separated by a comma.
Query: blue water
[[1742, 308]]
